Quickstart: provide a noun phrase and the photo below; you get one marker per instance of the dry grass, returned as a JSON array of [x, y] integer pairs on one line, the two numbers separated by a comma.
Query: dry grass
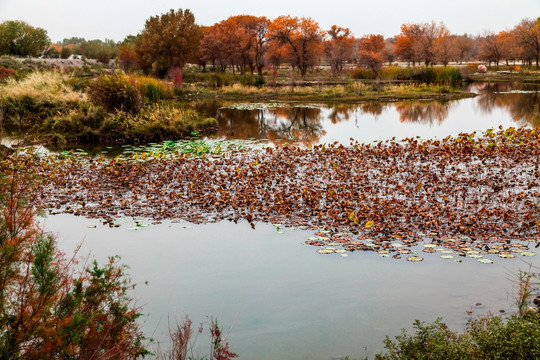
[[42, 87]]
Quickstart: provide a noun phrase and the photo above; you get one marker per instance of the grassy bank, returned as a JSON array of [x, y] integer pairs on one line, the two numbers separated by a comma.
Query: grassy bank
[[45, 107], [352, 92]]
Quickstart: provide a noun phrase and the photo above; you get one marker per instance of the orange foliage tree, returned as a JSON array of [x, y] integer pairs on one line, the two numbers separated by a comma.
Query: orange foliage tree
[[528, 36], [238, 41], [372, 50], [405, 44], [445, 49], [303, 36], [168, 41], [492, 48], [339, 48]]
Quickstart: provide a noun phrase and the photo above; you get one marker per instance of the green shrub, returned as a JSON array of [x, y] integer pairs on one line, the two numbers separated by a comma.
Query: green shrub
[[115, 92], [49, 308], [252, 80], [489, 337]]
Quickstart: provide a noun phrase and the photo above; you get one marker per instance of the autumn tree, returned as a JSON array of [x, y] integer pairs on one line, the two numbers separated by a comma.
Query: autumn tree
[[426, 41], [255, 30], [445, 50], [463, 45], [405, 44], [21, 39], [492, 48], [528, 36], [372, 51], [168, 41], [303, 36], [339, 48]]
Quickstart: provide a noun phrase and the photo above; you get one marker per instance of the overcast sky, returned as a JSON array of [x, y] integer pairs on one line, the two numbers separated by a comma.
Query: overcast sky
[[114, 19]]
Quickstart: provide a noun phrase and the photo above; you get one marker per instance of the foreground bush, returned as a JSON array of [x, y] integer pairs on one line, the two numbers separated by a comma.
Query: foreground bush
[[116, 92], [50, 308], [489, 337]]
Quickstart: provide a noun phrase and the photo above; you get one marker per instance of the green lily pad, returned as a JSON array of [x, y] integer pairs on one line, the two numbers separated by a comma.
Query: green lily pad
[[415, 258], [528, 253], [506, 255], [447, 256]]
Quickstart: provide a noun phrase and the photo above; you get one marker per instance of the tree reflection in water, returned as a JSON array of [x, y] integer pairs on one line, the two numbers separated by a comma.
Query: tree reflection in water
[[521, 102], [289, 123], [308, 125], [424, 112]]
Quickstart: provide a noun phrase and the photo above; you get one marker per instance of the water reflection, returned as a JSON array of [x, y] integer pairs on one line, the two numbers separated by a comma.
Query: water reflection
[[290, 123], [508, 104], [429, 113], [521, 102]]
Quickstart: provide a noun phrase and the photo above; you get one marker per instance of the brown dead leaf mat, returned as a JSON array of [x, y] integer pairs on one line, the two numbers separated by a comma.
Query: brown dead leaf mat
[[469, 186]]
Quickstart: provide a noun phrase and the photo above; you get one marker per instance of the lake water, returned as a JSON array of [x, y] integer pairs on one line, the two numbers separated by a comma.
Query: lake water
[[282, 299], [496, 105]]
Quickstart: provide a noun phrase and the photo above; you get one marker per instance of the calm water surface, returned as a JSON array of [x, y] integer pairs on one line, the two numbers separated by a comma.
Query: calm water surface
[[281, 298], [496, 105]]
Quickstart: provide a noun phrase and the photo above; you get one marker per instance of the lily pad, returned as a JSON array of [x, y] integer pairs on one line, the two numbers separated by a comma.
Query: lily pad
[[415, 258], [485, 261], [506, 255], [447, 256], [325, 251], [528, 253]]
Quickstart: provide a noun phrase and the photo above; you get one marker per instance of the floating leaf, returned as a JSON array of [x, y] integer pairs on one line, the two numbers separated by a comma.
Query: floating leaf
[[528, 253], [506, 255], [369, 224], [447, 256], [325, 251], [415, 258], [485, 261]]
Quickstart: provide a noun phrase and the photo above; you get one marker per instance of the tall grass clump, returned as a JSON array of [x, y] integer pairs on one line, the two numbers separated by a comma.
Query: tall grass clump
[[36, 97], [116, 92], [397, 73], [151, 88], [438, 75], [361, 73]]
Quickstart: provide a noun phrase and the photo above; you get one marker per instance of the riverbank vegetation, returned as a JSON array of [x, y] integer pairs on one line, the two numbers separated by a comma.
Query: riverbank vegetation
[[117, 108]]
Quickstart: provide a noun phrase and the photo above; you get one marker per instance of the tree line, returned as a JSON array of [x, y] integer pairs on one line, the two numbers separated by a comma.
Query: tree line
[[247, 43]]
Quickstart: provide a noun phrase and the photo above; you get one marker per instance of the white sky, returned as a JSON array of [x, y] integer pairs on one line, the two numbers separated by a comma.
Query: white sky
[[114, 19]]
